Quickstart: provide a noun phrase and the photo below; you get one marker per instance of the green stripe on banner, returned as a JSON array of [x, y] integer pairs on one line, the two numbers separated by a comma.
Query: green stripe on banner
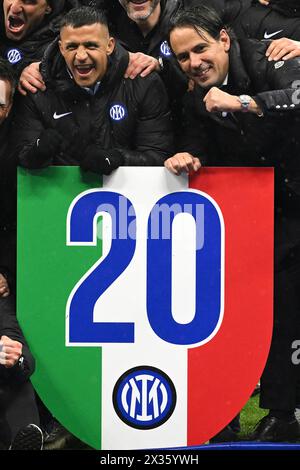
[[68, 379]]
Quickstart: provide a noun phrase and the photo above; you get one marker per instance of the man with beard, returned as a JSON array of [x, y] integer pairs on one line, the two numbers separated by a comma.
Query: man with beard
[[240, 96]]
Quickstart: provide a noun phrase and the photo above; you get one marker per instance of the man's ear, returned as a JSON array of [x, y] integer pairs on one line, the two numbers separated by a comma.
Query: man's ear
[[48, 10], [60, 47], [110, 46], [225, 39], [8, 109]]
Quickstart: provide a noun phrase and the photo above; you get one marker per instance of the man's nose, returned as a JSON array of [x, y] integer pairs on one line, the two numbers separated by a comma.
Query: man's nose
[[16, 7], [81, 53], [195, 60]]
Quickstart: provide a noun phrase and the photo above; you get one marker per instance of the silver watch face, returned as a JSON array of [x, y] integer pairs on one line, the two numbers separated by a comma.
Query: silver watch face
[[245, 100]]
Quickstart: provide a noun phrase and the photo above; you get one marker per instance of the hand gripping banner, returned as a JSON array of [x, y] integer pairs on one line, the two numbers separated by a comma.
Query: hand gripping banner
[[146, 299]]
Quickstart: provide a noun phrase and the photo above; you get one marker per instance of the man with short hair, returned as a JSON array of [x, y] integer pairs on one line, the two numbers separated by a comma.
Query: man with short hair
[[244, 111], [89, 114]]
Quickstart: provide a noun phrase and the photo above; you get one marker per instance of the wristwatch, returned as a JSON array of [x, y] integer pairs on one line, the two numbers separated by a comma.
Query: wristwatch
[[245, 101], [20, 363], [160, 63]]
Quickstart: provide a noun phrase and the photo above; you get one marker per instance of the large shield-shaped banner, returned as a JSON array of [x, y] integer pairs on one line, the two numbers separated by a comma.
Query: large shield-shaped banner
[[146, 299]]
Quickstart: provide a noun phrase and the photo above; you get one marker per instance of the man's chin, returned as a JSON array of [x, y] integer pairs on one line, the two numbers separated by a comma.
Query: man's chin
[[84, 83], [203, 83], [15, 36]]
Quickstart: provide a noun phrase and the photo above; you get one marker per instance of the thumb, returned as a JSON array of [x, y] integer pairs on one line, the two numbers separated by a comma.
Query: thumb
[[4, 339], [206, 97]]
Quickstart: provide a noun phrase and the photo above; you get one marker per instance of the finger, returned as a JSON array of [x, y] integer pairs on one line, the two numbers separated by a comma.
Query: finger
[[130, 70], [147, 70], [135, 72], [39, 84], [3, 295], [292, 55], [139, 67], [173, 168], [189, 164], [7, 342], [278, 54], [196, 164], [21, 90], [26, 86], [184, 165], [270, 48], [2, 358]]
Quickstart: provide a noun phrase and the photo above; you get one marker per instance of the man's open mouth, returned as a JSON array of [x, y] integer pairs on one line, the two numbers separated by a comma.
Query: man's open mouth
[[84, 69], [15, 24]]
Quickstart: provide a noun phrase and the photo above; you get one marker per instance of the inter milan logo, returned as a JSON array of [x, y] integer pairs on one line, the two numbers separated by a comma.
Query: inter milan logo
[[144, 397], [117, 112], [165, 49], [14, 56]]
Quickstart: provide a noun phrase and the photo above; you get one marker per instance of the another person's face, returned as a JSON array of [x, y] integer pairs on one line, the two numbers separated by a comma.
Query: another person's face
[[21, 17], [203, 59], [139, 10], [86, 52], [5, 99]]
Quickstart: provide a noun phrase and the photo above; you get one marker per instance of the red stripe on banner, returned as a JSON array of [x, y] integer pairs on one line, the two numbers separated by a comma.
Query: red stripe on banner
[[223, 373]]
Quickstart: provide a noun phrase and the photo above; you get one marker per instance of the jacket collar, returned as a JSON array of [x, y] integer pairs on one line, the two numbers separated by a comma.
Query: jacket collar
[[238, 78]]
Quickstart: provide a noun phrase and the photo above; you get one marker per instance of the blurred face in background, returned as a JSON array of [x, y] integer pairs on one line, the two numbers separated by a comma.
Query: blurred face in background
[[21, 17], [140, 10], [5, 99]]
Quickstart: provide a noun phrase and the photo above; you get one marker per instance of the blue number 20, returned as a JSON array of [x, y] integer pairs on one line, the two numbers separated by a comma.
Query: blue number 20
[[209, 267]]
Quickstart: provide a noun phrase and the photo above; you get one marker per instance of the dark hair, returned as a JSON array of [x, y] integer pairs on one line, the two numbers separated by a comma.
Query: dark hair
[[7, 74], [203, 19], [83, 16]]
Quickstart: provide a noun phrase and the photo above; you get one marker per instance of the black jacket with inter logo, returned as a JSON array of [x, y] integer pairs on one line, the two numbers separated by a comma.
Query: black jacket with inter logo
[[131, 116], [32, 47], [244, 139]]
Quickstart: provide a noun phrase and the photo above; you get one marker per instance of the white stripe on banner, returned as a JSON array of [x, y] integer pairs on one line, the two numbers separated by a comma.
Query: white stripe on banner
[[125, 301]]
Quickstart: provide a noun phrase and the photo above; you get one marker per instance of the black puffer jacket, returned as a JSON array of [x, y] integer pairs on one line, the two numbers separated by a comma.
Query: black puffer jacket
[[143, 134], [240, 139], [31, 48], [251, 19], [126, 30], [155, 43], [281, 18]]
